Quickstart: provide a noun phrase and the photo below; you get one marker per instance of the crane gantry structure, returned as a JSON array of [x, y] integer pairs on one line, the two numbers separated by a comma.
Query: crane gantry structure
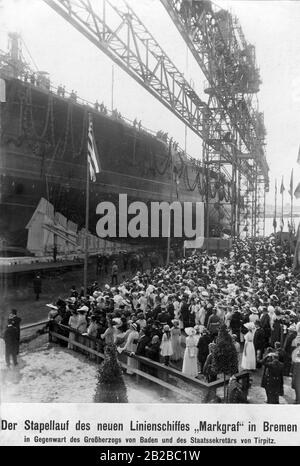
[[216, 41], [232, 131]]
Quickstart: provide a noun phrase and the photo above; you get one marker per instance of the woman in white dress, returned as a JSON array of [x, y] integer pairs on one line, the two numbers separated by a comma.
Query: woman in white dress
[[166, 349], [130, 346], [190, 360], [73, 323], [249, 358]]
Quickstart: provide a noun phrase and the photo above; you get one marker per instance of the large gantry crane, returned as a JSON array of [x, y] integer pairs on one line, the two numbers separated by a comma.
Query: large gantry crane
[[225, 124], [216, 41]]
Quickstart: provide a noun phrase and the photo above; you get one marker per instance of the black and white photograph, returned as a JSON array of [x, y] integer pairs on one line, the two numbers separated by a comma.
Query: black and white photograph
[[149, 202]]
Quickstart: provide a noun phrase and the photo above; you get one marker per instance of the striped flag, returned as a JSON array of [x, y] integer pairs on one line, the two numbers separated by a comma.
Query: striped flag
[[93, 157]]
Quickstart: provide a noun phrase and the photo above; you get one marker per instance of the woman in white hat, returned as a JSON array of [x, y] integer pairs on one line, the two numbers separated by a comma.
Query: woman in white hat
[[130, 346], [190, 360], [249, 358], [166, 349], [73, 323], [175, 340]]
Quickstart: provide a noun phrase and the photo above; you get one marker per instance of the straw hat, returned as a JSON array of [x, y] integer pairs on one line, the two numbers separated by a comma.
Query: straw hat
[[190, 331], [250, 326], [83, 309], [52, 306]]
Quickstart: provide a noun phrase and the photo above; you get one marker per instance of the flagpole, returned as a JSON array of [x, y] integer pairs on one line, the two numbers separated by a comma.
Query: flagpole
[[87, 204], [281, 226], [275, 211], [292, 197], [171, 199], [112, 87]]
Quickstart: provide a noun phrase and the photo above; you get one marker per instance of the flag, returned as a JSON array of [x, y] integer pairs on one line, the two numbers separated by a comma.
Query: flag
[[282, 186], [93, 158], [291, 190], [297, 192], [298, 159]]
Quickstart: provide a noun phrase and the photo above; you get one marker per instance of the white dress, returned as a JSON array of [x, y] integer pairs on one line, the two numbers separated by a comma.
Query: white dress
[[249, 358], [130, 346], [190, 365], [73, 323], [166, 348]]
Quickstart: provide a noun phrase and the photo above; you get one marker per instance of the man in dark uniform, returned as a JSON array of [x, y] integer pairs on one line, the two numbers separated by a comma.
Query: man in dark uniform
[[11, 343], [37, 286], [16, 322], [273, 382]]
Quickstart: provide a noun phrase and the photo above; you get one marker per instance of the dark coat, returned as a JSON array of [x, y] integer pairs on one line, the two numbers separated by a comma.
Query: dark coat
[[11, 339], [235, 322], [16, 321], [185, 314], [164, 317], [273, 376], [152, 351], [37, 285], [203, 352], [259, 339], [276, 332], [265, 323], [143, 341]]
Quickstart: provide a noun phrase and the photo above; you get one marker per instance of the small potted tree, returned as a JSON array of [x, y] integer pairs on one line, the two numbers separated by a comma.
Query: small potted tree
[[111, 387], [225, 358]]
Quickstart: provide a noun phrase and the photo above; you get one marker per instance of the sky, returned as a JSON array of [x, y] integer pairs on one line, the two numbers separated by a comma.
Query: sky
[[271, 25]]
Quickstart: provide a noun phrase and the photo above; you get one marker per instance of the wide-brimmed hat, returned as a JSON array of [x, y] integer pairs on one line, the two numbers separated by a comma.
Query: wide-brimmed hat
[[52, 306], [166, 328], [117, 321], [175, 322], [83, 309], [133, 325], [190, 331]]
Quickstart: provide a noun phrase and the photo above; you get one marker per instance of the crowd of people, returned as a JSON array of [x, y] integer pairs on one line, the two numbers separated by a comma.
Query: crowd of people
[[173, 314]]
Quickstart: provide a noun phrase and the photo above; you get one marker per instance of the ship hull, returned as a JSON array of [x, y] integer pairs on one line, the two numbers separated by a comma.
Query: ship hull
[[43, 154]]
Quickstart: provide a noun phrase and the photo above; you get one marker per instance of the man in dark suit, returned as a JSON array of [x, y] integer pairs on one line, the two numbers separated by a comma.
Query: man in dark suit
[[37, 286], [203, 352], [265, 324], [259, 341], [273, 382], [11, 343], [143, 341]]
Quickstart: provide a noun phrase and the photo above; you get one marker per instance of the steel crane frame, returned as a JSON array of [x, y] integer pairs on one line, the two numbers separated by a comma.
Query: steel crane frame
[[129, 44]]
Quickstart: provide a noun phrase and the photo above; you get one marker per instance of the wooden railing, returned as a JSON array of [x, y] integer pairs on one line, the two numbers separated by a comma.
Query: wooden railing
[[165, 376]]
